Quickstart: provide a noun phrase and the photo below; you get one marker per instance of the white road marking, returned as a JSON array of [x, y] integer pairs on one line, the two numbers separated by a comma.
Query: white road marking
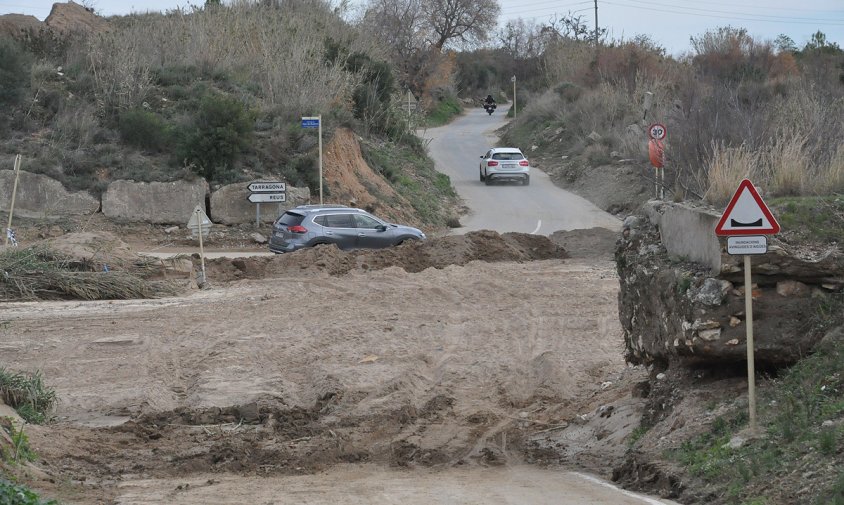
[[538, 226]]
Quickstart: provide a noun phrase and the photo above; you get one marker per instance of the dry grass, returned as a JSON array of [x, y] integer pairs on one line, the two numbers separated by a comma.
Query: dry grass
[[39, 273], [727, 168]]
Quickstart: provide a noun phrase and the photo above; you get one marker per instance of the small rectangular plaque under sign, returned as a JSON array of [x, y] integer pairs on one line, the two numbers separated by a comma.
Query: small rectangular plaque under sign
[[741, 245]]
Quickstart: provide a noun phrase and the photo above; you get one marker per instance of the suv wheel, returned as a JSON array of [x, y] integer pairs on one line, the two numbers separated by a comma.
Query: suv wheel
[[488, 180], [526, 182], [481, 172]]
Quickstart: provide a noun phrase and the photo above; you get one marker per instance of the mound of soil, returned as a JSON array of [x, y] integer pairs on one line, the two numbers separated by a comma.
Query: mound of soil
[[485, 245], [587, 243]]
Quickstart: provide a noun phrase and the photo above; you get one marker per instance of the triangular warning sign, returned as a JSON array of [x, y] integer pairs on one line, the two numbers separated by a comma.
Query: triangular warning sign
[[747, 214]]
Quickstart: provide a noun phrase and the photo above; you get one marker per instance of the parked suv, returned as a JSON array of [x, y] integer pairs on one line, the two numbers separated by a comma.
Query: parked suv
[[504, 163], [347, 227]]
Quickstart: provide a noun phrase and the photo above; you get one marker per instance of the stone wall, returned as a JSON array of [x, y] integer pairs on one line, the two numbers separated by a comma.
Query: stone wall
[[230, 204], [39, 196], [674, 309], [154, 202]]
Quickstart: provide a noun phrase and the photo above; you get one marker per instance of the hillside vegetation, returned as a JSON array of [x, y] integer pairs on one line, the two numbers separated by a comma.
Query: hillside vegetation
[[216, 91], [734, 107]]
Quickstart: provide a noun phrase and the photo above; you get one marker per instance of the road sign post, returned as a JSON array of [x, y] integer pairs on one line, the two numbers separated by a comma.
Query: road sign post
[[9, 233], [200, 224], [514, 96], [745, 222], [316, 122], [656, 149], [266, 192]]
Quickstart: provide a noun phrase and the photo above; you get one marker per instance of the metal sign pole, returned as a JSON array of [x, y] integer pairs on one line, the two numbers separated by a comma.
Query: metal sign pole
[[751, 367], [320, 158], [514, 97], [257, 214], [14, 194], [201, 250]]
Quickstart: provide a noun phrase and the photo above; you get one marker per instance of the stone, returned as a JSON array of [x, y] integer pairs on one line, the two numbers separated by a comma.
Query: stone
[[250, 413], [594, 136], [534, 147], [39, 196], [731, 342], [705, 325], [615, 154], [660, 376], [154, 202], [792, 288], [709, 335], [734, 321], [828, 424], [258, 238], [711, 292], [230, 204], [735, 443], [171, 229], [631, 222]]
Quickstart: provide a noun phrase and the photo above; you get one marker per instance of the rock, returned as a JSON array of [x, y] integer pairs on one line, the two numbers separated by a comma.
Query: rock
[[534, 148], [792, 288], [733, 341], [250, 413], [735, 443], [711, 292], [258, 238], [606, 384], [171, 229], [594, 136], [70, 17], [631, 222], [709, 335], [39, 196], [734, 321], [828, 424], [660, 376], [230, 204], [615, 154], [154, 202], [705, 325]]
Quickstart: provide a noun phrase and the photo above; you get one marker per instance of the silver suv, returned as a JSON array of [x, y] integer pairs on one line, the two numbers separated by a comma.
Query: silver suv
[[504, 163], [346, 227]]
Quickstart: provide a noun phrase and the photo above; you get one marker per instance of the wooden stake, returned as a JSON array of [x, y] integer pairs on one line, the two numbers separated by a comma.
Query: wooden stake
[[14, 194], [751, 366]]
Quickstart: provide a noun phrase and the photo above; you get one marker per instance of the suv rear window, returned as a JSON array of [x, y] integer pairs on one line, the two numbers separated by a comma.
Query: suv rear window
[[508, 156], [290, 219], [338, 221]]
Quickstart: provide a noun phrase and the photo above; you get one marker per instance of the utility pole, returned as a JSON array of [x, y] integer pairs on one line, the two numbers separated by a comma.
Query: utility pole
[[596, 25]]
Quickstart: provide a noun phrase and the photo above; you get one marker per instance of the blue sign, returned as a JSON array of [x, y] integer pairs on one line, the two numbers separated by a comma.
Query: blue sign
[[310, 122]]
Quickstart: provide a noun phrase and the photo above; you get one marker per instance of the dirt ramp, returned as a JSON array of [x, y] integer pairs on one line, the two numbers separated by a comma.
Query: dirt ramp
[[488, 246]]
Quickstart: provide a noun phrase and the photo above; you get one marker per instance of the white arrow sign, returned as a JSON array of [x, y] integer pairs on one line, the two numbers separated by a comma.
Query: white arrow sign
[[267, 187], [268, 197]]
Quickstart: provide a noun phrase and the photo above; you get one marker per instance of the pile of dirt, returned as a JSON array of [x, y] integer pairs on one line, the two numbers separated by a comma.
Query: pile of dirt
[[485, 245], [587, 243]]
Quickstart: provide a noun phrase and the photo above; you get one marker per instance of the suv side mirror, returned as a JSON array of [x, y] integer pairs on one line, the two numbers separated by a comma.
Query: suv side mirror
[[381, 227]]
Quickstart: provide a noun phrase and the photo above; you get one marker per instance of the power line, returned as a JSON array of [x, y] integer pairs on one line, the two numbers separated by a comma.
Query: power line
[[777, 18], [737, 18], [553, 5]]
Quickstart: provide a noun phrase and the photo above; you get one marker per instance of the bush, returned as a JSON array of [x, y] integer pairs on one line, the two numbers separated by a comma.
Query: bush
[[27, 394], [144, 129], [14, 72], [221, 130], [16, 494]]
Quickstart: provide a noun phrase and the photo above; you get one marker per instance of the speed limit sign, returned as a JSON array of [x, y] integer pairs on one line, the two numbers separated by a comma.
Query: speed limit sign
[[657, 131]]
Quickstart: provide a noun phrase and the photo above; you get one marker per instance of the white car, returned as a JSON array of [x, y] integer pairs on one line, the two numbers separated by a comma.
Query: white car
[[504, 163]]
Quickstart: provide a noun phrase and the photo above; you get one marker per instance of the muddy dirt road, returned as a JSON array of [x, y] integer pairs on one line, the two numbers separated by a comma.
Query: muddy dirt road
[[338, 375]]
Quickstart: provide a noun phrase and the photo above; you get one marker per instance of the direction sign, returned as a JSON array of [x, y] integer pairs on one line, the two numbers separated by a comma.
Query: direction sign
[[267, 187], [657, 131], [310, 122], [747, 214], [268, 197]]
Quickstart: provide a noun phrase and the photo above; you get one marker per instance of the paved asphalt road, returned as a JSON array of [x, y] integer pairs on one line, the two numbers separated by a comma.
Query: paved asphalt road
[[541, 207]]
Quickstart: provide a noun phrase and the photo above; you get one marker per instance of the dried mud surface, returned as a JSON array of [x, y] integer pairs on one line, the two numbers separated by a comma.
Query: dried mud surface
[[447, 352]]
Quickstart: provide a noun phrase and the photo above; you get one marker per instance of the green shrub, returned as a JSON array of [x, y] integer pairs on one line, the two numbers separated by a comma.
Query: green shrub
[[144, 129], [221, 130], [27, 394], [14, 72], [16, 494]]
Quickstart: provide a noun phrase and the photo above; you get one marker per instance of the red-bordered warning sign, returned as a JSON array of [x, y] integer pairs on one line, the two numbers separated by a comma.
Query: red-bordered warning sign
[[747, 214]]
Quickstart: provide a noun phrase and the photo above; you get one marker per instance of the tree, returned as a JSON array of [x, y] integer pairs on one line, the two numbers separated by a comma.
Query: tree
[[465, 21]]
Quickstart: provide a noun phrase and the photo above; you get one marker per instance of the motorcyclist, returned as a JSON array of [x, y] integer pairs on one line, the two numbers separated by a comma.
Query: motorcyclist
[[489, 100]]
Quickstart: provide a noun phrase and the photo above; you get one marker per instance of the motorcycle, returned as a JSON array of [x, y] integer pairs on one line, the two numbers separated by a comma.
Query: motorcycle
[[489, 108]]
